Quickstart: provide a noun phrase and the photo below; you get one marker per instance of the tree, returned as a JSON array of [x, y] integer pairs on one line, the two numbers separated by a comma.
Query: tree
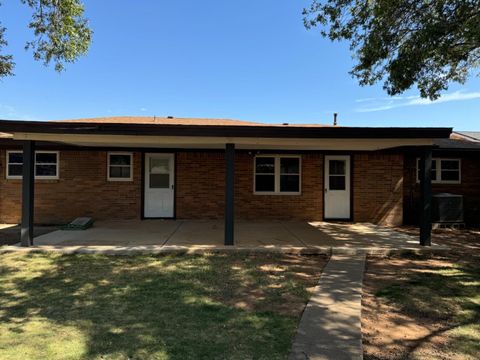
[[427, 43], [61, 34]]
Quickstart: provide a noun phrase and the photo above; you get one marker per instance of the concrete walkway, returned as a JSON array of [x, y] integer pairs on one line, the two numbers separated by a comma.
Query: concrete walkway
[[330, 327]]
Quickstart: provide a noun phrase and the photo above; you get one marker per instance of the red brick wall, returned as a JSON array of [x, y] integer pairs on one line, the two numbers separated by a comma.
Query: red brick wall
[[378, 188], [200, 179], [200, 189], [306, 206], [81, 190], [469, 187]]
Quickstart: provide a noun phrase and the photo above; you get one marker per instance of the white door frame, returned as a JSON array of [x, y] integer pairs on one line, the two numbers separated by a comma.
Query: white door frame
[[146, 179], [343, 210]]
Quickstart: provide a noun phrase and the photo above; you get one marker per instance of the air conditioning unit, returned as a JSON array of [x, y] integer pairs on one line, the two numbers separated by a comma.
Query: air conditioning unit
[[447, 208]]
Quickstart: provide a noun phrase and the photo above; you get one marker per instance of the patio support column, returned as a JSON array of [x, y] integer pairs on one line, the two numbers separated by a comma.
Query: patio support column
[[426, 197], [229, 192], [28, 187]]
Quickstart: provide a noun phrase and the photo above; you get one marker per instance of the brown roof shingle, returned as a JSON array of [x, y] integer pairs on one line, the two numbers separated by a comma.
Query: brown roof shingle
[[177, 121]]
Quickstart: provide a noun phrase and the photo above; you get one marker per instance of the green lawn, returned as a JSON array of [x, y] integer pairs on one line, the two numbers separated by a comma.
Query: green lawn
[[218, 306]]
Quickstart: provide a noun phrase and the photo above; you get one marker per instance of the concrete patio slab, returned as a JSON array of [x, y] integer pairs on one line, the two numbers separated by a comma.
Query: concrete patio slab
[[113, 233], [247, 234], [330, 327], [198, 232], [153, 236], [10, 233], [266, 234]]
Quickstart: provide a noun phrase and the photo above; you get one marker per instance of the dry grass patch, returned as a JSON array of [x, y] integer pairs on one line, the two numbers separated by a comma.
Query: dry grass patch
[[422, 308]]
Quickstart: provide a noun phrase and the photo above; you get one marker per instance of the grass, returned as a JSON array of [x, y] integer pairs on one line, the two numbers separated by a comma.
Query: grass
[[219, 306], [445, 293]]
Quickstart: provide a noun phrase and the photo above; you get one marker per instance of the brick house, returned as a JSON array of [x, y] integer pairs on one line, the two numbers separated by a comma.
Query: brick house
[[137, 168]]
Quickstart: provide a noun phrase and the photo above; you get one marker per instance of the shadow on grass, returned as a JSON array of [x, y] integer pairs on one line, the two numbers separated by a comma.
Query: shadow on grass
[[166, 307], [447, 297]]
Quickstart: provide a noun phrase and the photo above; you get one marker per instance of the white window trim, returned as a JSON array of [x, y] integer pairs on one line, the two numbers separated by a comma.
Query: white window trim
[[276, 175], [37, 177], [130, 154], [438, 171], [7, 176]]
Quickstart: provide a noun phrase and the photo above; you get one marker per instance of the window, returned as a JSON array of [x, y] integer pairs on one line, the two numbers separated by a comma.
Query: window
[[159, 173], [265, 174], [444, 171], [450, 170], [46, 164], [277, 175], [14, 164], [119, 167], [337, 174]]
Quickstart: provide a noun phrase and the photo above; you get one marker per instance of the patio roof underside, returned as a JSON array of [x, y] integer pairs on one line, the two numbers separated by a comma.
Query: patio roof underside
[[241, 143]]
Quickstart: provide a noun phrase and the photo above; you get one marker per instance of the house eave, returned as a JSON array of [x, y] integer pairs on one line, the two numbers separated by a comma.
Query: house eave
[[237, 131]]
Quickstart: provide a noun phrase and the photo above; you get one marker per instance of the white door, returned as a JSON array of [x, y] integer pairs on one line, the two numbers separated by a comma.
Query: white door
[[159, 185], [337, 187]]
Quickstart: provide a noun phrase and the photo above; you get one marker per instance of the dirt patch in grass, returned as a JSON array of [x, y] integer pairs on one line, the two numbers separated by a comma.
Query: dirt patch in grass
[[422, 308], [217, 306], [278, 281]]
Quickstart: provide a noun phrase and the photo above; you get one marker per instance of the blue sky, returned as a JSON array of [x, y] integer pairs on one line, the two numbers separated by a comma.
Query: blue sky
[[249, 60]]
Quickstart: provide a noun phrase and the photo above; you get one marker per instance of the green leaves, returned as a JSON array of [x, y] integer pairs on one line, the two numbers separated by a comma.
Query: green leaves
[[61, 32], [427, 43], [6, 61]]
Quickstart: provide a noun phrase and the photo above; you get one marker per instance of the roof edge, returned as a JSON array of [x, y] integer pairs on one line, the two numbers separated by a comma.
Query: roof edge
[[261, 131], [466, 135]]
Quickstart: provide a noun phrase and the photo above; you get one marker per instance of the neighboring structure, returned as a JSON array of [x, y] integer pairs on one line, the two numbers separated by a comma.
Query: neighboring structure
[[455, 170], [135, 168], [467, 135]]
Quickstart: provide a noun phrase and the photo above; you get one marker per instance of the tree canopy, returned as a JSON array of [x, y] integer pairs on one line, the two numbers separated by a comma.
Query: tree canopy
[[61, 34], [403, 43]]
